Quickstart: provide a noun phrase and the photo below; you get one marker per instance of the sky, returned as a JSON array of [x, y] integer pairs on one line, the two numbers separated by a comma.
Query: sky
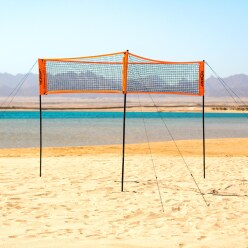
[[172, 30]]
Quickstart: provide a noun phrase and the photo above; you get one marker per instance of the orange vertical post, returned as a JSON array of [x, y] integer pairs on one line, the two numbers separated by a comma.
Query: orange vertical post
[[201, 78], [125, 72], [42, 76]]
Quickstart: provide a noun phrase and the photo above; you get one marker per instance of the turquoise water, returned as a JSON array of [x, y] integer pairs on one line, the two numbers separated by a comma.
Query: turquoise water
[[77, 128], [81, 114]]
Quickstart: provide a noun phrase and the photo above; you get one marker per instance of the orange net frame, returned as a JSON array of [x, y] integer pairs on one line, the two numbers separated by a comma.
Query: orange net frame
[[121, 72]]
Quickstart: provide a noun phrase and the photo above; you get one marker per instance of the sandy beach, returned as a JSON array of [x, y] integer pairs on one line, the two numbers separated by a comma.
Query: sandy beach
[[78, 200]]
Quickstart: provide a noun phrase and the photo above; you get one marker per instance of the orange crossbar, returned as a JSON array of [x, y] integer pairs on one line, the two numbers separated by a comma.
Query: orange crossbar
[[162, 93], [82, 91], [84, 57], [153, 61], [86, 62]]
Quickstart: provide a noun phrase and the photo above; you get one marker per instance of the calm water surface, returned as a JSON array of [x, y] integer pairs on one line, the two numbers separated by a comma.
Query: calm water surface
[[64, 128]]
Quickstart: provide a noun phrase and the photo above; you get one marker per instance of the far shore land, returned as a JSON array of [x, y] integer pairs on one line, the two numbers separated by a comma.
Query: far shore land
[[144, 103], [213, 109], [78, 200]]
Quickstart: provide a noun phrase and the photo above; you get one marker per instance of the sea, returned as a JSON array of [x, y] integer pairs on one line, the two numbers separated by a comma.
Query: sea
[[82, 128]]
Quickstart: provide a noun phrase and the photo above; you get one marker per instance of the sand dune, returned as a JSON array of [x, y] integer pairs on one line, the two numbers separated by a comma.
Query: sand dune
[[77, 202]]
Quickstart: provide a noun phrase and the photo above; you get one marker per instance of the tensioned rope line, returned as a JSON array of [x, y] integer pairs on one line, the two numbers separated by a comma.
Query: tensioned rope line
[[149, 146], [225, 84], [172, 138], [154, 169], [227, 88], [18, 87]]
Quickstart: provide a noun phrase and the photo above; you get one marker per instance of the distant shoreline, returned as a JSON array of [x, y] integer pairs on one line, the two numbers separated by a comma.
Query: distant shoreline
[[225, 109]]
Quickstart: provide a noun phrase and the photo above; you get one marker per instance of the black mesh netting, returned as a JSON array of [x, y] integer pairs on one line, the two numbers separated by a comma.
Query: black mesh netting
[[74, 76], [149, 76], [105, 74]]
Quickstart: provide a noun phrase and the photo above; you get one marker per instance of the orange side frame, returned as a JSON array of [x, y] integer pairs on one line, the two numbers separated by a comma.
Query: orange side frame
[[125, 72], [201, 78], [42, 76]]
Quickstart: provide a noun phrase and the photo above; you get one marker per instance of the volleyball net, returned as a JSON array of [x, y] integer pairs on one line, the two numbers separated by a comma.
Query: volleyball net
[[121, 72]]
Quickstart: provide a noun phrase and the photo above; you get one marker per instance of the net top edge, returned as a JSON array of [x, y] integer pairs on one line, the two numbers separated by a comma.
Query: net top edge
[[82, 57], [164, 61], [144, 60]]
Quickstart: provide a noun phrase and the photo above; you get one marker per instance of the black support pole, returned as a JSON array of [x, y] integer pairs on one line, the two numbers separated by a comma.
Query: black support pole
[[203, 136], [40, 136], [123, 144]]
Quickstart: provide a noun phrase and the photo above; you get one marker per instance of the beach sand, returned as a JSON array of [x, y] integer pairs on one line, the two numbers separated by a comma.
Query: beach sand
[[78, 200]]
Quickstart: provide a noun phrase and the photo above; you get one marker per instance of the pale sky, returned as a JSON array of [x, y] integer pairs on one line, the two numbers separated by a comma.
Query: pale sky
[[173, 30]]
